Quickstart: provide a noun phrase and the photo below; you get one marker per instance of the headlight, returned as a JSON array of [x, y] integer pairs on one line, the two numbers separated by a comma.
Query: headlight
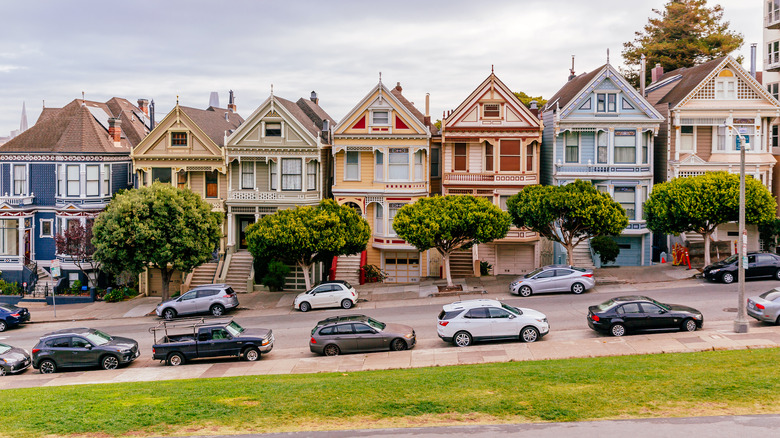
[[697, 316], [714, 271], [266, 342], [542, 320], [409, 336], [4, 360], [123, 350]]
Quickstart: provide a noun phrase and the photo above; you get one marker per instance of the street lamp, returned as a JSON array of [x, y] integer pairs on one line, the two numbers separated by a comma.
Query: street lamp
[[741, 323]]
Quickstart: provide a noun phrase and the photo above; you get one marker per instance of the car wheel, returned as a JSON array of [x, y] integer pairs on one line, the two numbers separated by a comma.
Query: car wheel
[[3, 371], [777, 274], [217, 309], [3, 325], [331, 350], [175, 359], [47, 367], [462, 339], [618, 330], [169, 314], [346, 304], [525, 291], [398, 344], [109, 362], [304, 306], [252, 354], [577, 288], [727, 277], [689, 325], [529, 334]]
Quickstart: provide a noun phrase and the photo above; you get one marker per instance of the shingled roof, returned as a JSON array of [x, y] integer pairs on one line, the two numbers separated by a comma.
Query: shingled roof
[[212, 121], [571, 89], [308, 113], [690, 78], [74, 129]]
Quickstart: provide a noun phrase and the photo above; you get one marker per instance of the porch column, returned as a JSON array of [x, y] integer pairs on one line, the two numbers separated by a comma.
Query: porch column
[[20, 227], [231, 238]]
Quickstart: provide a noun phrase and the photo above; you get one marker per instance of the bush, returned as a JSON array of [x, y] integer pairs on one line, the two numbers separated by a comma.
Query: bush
[[484, 268], [606, 248], [119, 294], [10, 288], [276, 275], [75, 288], [373, 274]]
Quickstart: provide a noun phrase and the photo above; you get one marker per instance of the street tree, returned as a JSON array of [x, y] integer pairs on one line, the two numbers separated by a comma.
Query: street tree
[[684, 34], [698, 204], [160, 227], [305, 235], [567, 214], [449, 223], [526, 99], [76, 242]]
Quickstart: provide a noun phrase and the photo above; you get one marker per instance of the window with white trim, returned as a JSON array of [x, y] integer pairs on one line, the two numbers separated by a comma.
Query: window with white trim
[[379, 166], [73, 180], [47, 228], [292, 173], [273, 174], [418, 166], [626, 197], [106, 179], [311, 175], [20, 179], [247, 174], [572, 154], [380, 117], [773, 89], [60, 179], [726, 85], [491, 110], [352, 166], [93, 180], [773, 52], [645, 147], [379, 219], [392, 210], [9, 237], [273, 129], [625, 147], [602, 154], [398, 164], [686, 139]]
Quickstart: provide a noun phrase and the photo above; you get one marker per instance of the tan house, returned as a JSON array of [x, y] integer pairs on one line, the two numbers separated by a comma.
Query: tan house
[[186, 150], [490, 148]]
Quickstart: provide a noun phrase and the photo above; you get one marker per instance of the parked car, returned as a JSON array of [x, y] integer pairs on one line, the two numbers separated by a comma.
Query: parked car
[[12, 316], [212, 298], [180, 341], [620, 315], [759, 265], [13, 360], [553, 278], [464, 322], [82, 347], [765, 307], [359, 333], [337, 293]]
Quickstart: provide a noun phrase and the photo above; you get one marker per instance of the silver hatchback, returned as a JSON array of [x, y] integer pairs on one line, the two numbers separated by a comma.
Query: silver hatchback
[[211, 298], [553, 278]]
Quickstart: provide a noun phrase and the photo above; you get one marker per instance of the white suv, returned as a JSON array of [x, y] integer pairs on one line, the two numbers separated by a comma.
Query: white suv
[[337, 293], [464, 322]]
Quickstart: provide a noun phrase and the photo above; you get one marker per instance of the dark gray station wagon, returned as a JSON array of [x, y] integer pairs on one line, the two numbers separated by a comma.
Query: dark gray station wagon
[[82, 347], [359, 333]]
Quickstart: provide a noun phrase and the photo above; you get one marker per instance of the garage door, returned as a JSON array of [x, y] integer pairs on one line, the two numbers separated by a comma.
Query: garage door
[[514, 259], [630, 251], [402, 267]]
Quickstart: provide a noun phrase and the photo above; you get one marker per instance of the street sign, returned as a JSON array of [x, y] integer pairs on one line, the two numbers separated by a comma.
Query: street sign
[[744, 249], [55, 268]]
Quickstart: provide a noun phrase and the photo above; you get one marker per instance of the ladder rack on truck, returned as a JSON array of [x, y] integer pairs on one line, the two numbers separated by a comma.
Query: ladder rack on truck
[[185, 325]]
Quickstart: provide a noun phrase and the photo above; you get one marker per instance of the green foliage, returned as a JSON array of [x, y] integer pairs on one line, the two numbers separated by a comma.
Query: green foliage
[[373, 274], [606, 248], [119, 294], [275, 275], [685, 33], [770, 232], [484, 268], [10, 288], [75, 288], [526, 99], [160, 225]]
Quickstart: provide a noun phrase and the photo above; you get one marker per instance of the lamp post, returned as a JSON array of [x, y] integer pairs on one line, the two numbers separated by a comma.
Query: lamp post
[[741, 323]]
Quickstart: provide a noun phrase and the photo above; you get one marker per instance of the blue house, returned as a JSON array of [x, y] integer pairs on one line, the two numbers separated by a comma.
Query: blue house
[[61, 172], [598, 128]]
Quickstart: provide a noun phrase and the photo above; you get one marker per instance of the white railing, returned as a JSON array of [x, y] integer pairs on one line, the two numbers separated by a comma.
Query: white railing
[[271, 196], [488, 178], [17, 199]]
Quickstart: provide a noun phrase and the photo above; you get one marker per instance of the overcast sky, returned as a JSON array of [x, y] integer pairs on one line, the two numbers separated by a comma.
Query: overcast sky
[[54, 50]]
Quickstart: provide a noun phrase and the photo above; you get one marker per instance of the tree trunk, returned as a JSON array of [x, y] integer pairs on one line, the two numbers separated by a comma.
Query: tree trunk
[[570, 253], [166, 279], [305, 268], [447, 269], [706, 237]]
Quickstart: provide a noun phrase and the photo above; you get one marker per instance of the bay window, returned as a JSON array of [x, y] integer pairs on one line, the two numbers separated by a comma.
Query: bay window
[[509, 155], [93, 180], [311, 175], [398, 164], [73, 180], [212, 184], [9, 237], [625, 147], [392, 210], [352, 169], [379, 166], [379, 219], [273, 172], [106, 179], [626, 197], [460, 157], [529, 157], [247, 175], [603, 151], [572, 147], [291, 174], [488, 157], [418, 166], [645, 147]]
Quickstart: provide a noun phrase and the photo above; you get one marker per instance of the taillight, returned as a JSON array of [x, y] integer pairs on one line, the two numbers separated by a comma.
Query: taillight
[[760, 306], [443, 323], [153, 350], [594, 317], [587, 275], [35, 350], [353, 294], [313, 341], [15, 315]]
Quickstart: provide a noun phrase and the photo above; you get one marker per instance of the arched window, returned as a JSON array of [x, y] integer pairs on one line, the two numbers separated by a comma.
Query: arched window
[[726, 85]]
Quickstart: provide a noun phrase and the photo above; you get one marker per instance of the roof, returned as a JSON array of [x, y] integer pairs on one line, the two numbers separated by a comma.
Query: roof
[[80, 127], [570, 90], [344, 318], [213, 123], [415, 112], [310, 116], [689, 78], [468, 304]]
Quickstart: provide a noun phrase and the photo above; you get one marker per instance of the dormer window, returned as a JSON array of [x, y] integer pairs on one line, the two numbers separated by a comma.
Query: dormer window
[[491, 110], [178, 139], [380, 118], [726, 86], [606, 103], [273, 129]]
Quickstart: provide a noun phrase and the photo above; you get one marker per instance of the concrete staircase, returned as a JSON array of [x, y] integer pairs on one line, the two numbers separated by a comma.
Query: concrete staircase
[[462, 263], [348, 268], [203, 274], [582, 257], [239, 270], [45, 283]]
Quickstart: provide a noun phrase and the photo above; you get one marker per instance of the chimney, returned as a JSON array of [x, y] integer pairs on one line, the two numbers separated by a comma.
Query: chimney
[[642, 74], [753, 60], [151, 115], [214, 99], [571, 70], [398, 86], [656, 73], [534, 107], [427, 118], [314, 98], [115, 129], [232, 102], [143, 105]]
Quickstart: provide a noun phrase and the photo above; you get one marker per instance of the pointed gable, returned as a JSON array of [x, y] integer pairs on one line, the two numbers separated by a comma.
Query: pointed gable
[[492, 103], [383, 112]]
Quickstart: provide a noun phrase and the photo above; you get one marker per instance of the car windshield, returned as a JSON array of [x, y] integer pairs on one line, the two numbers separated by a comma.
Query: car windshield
[[346, 283], [234, 329], [664, 306], [512, 309], [771, 295], [376, 324], [532, 273], [578, 269], [97, 337], [731, 259], [4, 348]]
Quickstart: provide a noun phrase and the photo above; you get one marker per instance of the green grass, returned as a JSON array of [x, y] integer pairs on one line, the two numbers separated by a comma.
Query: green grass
[[686, 384]]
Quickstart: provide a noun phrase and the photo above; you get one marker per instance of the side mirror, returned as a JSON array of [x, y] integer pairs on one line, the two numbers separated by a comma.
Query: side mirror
[[512, 317], [88, 346]]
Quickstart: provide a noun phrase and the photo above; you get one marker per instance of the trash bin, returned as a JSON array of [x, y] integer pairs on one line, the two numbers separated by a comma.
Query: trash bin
[[93, 293]]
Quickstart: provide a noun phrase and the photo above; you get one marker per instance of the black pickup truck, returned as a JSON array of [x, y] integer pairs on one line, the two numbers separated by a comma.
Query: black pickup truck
[[178, 341]]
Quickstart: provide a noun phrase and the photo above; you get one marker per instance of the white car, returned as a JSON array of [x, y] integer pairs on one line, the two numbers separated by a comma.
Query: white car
[[464, 322], [337, 293]]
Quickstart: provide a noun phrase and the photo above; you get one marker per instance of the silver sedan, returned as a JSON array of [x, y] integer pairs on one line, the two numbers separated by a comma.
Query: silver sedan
[[553, 278], [765, 307]]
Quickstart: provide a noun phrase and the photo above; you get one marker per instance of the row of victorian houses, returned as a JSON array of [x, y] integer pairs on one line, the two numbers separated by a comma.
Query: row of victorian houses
[[383, 154]]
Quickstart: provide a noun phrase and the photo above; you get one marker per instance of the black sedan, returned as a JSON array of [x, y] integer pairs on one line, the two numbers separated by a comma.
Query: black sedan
[[12, 316], [82, 347], [623, 314], [13, 359], [759, 265]]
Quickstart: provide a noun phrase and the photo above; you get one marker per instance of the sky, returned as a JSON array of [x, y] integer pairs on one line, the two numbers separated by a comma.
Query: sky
[[51, 50]]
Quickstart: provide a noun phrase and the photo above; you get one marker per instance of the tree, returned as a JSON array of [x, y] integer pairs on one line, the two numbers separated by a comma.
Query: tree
[[449, 223], [770, 232], [700, 203], [606, 248], [76, 242], [686, 33], [567, 214], [305, 235], [159, 226], [526, 99]]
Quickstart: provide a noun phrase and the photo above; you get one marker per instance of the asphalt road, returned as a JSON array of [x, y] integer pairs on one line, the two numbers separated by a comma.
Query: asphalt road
[[565, 312]]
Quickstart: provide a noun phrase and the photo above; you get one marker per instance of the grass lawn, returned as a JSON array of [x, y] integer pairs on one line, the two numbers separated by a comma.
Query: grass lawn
[[685, 384]]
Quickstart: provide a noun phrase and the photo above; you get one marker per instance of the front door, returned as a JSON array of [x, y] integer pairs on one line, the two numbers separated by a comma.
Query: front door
[[368, 339], [27, 247], [243, 223]]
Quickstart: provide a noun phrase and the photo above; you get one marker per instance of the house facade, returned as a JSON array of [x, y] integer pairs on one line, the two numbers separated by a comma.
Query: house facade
[[61, 172], [771, 79], [700, 105], [186, 150], [598, 128], [490, 148], [381, 156]]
